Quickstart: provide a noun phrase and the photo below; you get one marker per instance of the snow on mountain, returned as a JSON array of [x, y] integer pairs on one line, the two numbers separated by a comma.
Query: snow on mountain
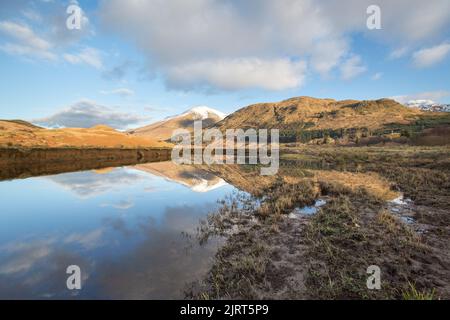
[[163, 130], [202, 113], [413, 103], [206, 186], [428, 105]]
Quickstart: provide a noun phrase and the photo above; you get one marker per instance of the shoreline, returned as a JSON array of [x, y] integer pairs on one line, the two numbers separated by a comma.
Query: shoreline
[[29, 162]]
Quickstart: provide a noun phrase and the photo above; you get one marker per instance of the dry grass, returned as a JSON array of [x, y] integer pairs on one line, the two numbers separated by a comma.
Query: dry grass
[[320, 114], [351, 233], [282, 198], [413, 294], [354, 230], [20, 135], [372, 182]]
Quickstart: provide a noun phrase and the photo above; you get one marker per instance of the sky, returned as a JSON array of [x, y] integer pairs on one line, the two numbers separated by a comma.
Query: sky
[[133, 62]]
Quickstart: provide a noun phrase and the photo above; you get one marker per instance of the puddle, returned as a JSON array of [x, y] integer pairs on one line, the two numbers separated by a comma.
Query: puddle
[[308, 210], [401, 201], [402, 208], [406, 219]]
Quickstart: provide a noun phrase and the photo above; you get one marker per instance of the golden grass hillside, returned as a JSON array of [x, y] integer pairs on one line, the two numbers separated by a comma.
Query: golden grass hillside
[[318, 114], [21, 134]]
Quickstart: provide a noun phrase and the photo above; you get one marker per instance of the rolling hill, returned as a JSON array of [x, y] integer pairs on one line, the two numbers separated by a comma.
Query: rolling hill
[[311, 113], [303, 119], [18, 133]]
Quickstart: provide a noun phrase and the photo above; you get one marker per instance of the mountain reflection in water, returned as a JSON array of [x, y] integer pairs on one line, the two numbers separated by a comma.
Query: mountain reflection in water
[[130, 229], [123, 226]]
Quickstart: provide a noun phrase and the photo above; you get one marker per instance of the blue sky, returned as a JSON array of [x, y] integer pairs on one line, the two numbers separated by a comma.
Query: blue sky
[[134, 62]]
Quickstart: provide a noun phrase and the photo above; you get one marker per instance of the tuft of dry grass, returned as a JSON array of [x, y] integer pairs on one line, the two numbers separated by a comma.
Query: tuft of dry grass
[[282, 198], [412, 293]]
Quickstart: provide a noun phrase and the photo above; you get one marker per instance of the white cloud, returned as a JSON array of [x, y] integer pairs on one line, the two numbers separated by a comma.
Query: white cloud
[[40, 32], [32, 15], [377, 76], [327, 55], [86, 114], [430, 95], [23, 50], [122, 205], [238, 74], [227, 45], [26, 255], [398, 53], [179, 35], [352, 67], [124, 92], [220, 36], [56, 25], [119, 71], [24, 34], [88, 184], [26, 41], [431, 56], [89, 240], [89, 56], [176, 35]]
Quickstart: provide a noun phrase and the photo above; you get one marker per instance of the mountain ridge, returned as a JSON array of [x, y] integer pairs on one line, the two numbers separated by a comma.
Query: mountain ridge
[[318, 113]]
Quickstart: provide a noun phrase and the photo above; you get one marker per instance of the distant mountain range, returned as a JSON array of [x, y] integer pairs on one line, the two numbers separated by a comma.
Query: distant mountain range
[[162, 130], [299, 119], [428, 105]]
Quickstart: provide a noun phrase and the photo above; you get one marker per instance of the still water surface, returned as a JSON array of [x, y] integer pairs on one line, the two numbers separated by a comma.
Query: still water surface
[[123, 226]]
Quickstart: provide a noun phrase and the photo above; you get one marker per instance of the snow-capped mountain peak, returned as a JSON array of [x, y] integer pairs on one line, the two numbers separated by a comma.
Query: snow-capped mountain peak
[[202, 113], [422, 102], [163, 129], [428, 105]]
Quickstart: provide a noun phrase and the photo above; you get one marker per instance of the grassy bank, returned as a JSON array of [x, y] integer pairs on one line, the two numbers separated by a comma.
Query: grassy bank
[[271, 253]]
